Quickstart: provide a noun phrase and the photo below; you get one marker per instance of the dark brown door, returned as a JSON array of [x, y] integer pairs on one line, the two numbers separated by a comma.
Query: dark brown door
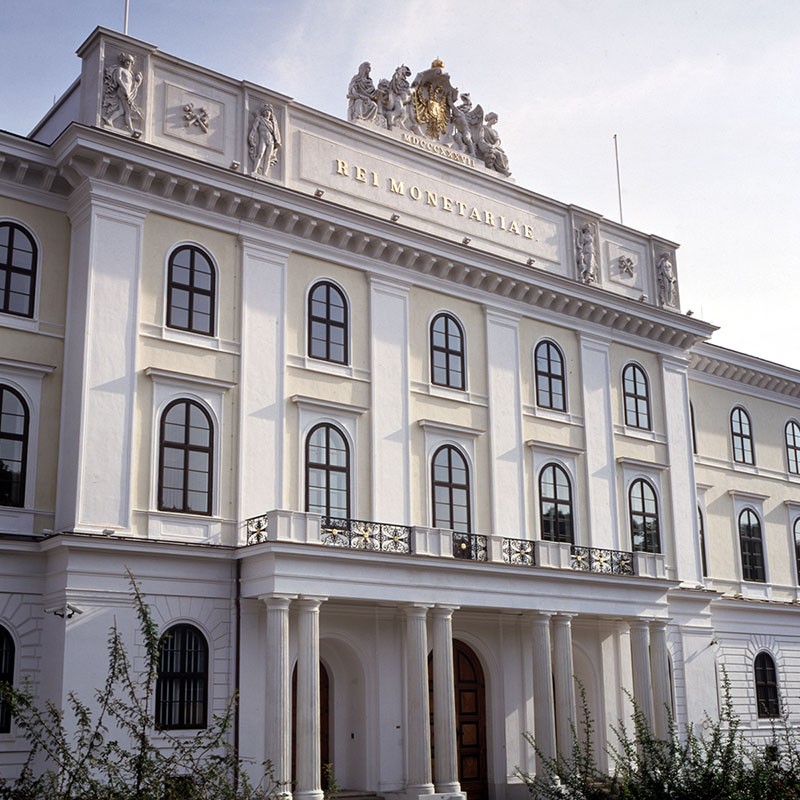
[[324, 723], [470, 695]]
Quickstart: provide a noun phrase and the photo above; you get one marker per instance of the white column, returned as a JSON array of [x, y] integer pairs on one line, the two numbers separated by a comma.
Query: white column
[[598, 425], [640, 661], [278, 706], [564, 682], [389, 383], [543, 701], [506, 441], [418, 732], [659, 669], [309, 766], [444, 702]]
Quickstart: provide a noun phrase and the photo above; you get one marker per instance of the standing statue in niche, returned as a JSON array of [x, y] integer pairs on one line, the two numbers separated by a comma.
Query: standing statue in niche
[[361, 95], [264, 140], [120, 87], [667, 283], [586, 255]]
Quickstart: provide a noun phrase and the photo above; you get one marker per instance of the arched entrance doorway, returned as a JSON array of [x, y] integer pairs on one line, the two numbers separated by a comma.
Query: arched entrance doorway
[[470, 696], [324, 723]]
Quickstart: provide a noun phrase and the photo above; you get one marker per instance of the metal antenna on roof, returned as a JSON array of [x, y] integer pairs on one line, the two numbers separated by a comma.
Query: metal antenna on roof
[[125, 27], [619, 184]]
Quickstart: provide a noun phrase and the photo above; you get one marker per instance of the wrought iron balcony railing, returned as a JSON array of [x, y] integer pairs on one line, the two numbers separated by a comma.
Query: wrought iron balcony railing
[[358, 534], [470, 546], [596, 559], [519, 552], [257, 529]]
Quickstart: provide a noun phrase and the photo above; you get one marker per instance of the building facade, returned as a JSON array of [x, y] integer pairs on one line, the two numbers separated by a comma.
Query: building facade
[[364, 417]]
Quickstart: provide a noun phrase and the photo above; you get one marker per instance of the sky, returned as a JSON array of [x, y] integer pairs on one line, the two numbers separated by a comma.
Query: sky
[[703, 95]]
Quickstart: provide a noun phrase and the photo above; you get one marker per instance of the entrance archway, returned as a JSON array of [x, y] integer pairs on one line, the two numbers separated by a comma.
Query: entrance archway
[[470, 697], [324, 723]]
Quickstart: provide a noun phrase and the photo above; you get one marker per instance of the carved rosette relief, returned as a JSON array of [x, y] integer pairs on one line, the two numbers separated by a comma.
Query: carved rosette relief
[[586, 252], [264, 141], [667, 282], [120, 87], [428, 107]]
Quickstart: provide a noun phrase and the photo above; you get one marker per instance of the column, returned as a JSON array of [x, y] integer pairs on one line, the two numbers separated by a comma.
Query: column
[[564, 682], [543, 702], [418, 733], [659, 669], [278, 711], [640, 661], [444, 702], [309, 765]]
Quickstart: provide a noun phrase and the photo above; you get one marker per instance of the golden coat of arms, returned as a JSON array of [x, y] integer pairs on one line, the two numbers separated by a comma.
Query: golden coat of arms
[[433, 97]]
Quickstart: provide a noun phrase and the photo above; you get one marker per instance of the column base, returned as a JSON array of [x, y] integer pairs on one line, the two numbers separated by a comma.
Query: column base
[[415, 791], [448, 791], [309, 794]]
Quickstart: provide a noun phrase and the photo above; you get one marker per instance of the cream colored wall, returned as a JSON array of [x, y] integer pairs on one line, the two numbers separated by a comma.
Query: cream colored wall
[[768, 482], [45, 343]]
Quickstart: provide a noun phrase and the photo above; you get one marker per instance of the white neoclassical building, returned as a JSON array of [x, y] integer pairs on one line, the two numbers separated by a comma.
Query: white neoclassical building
[[360, 412]]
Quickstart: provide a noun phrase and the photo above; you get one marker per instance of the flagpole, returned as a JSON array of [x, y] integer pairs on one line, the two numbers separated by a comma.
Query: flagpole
[[125, 28], [619, 184]]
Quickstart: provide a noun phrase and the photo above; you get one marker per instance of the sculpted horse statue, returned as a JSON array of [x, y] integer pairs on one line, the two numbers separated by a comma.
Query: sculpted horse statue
[[394, 98]]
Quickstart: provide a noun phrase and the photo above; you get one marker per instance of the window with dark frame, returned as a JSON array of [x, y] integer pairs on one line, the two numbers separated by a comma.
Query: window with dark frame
[[18, 263], [327, 324], [555, 505], [182, 680], [793, 447], [694, 429], [327, 472], [186, 457], [450, 488], [550, 379], [752, 546], [701, 530], [767, 695], [636, 394], [643, 509], [6, 676], [447, 352], [191, 291], [797, 547], [741, 437], [14, 429]]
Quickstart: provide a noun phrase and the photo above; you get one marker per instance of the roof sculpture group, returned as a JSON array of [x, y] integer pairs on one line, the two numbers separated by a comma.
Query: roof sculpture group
[[429, 107]]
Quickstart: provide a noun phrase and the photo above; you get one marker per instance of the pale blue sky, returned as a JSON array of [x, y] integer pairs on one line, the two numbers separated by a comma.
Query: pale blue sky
[[703, 94]]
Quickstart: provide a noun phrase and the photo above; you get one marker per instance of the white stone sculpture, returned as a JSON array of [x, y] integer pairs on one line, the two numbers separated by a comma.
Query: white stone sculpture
[[196, 116], [120, 87], [667, 283], [626, 265], [264, 140], [494, 157], [361, 95], [394, 98], [465, 119], [586, 255]]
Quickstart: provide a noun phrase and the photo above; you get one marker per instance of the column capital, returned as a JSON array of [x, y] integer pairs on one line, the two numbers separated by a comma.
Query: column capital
[[419, 610], [277, 601], [639, 623], [309, 602], [441, 610], [538, 617], [564, 617], [660, 624]]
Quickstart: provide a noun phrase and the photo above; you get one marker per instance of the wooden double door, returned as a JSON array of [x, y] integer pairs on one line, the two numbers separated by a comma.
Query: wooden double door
[[470, 699]]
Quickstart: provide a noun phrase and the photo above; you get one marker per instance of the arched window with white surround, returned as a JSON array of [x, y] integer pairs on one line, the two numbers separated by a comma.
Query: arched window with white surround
[[752, 546], [636, 395], [766, 680], [447, 344], [18, 264], [796, 533], [742, 437], [555, 505], [14, 435], [793, 447], [551, 384], [182, 679], [643, 514], [328, 323], [328, 472], [191, 290], [450, 487]]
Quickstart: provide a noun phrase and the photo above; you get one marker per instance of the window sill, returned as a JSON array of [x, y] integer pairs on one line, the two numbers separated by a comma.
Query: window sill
[[640, 433], [328, 367], [199, 340]]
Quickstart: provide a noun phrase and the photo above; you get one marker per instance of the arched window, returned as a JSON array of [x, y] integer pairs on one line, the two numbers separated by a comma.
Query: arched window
[[701, 530], [450, 486], [14, 422], [447, 352], [555, 505], [694, 428], [767, 697], [191, 290], [551, 388], [6, 676], [18, 257], [741, 437], [186, 458], [182, 681], [327, 472], [327, 323], [636, 392], [793, 447], [752, 546], [644, 517], [797, 547]]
